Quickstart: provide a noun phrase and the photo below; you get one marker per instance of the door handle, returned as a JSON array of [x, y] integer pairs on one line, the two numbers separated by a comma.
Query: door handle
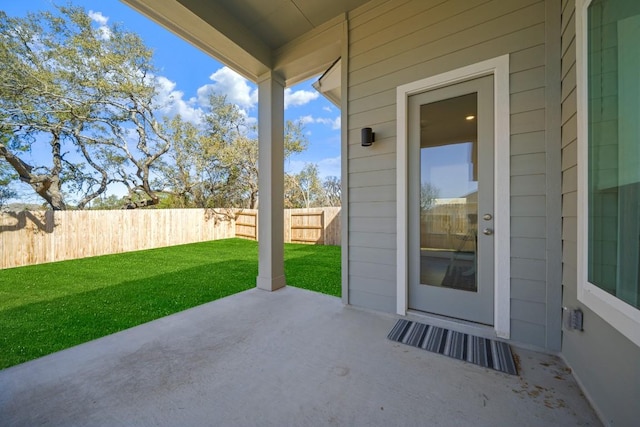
[[487, 231]]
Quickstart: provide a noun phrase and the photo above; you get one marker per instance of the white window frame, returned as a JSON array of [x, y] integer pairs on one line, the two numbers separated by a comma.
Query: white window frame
[[622, 316]]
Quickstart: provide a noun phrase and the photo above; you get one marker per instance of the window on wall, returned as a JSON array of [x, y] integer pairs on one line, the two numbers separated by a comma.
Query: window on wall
[[609, 108]]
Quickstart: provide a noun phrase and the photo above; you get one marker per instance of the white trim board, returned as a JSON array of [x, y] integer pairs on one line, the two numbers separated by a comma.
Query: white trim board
[[499, 68], [622, 316]]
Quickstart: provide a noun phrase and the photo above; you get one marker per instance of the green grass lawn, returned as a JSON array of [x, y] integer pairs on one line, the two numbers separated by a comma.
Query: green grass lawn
[[48, 307]]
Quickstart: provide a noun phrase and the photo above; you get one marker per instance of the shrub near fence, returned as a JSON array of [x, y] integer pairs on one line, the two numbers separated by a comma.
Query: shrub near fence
[[28, 238]]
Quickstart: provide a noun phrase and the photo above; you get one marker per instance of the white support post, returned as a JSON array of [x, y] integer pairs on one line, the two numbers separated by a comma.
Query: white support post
[[271, 182]]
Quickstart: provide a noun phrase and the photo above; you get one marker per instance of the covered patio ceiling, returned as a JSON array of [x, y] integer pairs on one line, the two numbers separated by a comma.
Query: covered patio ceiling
[[295, 38]]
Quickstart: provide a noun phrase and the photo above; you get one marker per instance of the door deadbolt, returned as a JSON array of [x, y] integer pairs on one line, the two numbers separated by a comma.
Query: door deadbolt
[[487, 217], [487, 231]]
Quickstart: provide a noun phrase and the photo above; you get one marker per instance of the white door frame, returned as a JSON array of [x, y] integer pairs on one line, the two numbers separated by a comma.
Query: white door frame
[[499, 68]]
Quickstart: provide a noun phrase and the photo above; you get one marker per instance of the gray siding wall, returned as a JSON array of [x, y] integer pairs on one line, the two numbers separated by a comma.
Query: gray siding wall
[[399, 41], [606, 363]]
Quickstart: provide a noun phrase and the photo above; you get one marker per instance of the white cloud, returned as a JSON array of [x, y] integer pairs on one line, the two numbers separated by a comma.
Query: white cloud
[[233, 85], [330, 166], [98, 17], [305, 120], [328, 109], [165, 85], [225, 82], [237, 89], [101, 20], [333, 123], [295, 166], [172, 102], [337, 123], [298, 98]]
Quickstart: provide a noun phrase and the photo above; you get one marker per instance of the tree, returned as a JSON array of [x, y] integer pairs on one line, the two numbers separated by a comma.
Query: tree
[[332, 191], [304, 189], [428, 195], [134, 164], [215, 163], [240, 159], [86, 93], [6, 192], [88, 98], [107, 202], [194, 175], [182, 174]]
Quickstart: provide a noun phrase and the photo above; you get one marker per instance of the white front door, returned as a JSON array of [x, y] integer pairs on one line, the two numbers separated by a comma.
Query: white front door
[[451, 200]]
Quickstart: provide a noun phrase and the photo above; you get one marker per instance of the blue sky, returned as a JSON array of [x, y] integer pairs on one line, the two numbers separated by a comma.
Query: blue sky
[[187, 73], [448, 168]]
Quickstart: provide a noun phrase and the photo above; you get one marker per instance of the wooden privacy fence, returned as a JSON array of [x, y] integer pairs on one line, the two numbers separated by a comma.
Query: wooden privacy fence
[[449, 226], [28, 238], [313, 225], [307, 227], [247, 224], [37, 237]]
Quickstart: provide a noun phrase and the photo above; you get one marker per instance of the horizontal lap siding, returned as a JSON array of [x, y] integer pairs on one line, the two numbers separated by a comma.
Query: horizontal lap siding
[[396, 42], [528, 197]]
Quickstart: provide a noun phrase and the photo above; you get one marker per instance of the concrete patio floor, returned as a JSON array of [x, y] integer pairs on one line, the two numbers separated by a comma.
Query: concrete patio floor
[[287, 358]]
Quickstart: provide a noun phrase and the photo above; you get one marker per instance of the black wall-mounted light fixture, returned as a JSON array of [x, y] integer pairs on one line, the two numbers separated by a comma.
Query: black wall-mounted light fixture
[[368, 137]]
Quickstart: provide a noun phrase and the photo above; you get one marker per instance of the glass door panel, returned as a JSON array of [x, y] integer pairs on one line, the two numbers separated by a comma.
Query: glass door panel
[[449, 193]]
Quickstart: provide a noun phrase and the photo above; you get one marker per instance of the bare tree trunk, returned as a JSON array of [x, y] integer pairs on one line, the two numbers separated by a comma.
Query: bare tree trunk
[[47, 186], [253, 200], [104, 180], [54, 195]]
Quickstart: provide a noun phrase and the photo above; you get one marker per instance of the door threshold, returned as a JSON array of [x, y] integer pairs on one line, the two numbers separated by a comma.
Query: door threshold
[[458, 325]]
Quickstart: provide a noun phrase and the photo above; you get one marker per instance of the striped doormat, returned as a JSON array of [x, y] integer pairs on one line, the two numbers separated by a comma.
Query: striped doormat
[[481, 351]]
